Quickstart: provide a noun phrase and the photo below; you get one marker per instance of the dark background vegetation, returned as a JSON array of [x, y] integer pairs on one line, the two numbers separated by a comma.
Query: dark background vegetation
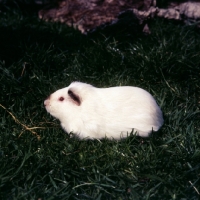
[[37, 58]]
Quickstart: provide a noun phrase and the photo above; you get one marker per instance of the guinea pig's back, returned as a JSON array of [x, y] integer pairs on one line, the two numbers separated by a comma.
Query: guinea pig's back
[[126, 108]]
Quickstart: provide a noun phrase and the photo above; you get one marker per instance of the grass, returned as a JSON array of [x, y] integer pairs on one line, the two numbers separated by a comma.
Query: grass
[[37, 58]]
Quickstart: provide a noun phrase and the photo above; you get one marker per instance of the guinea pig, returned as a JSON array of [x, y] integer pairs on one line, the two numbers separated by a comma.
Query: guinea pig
[[114, 112]]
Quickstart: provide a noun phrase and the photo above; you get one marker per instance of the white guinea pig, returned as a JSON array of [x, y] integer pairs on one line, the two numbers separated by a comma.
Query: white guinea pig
[[113, 112]]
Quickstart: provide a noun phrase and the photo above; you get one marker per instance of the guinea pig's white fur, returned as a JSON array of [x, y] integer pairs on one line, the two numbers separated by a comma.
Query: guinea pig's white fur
[[113, 112]]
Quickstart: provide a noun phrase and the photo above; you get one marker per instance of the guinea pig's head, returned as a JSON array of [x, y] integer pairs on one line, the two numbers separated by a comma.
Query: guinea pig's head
[[64, 103], [67, 104]]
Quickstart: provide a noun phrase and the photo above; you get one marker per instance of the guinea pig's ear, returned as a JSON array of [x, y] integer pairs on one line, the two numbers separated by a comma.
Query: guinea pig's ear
[[74, 97]]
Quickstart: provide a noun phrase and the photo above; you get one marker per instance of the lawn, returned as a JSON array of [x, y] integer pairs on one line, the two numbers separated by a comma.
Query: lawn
[[38, 160]]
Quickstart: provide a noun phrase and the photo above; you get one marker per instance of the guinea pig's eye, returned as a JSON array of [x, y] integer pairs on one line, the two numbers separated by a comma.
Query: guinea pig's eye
[[61, 99]]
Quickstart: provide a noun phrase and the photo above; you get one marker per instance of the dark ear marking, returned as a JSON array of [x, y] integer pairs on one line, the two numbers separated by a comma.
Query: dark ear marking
[[76, 99]]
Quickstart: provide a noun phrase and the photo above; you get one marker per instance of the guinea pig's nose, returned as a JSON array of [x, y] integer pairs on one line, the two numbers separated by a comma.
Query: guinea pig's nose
[[45, 102]]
